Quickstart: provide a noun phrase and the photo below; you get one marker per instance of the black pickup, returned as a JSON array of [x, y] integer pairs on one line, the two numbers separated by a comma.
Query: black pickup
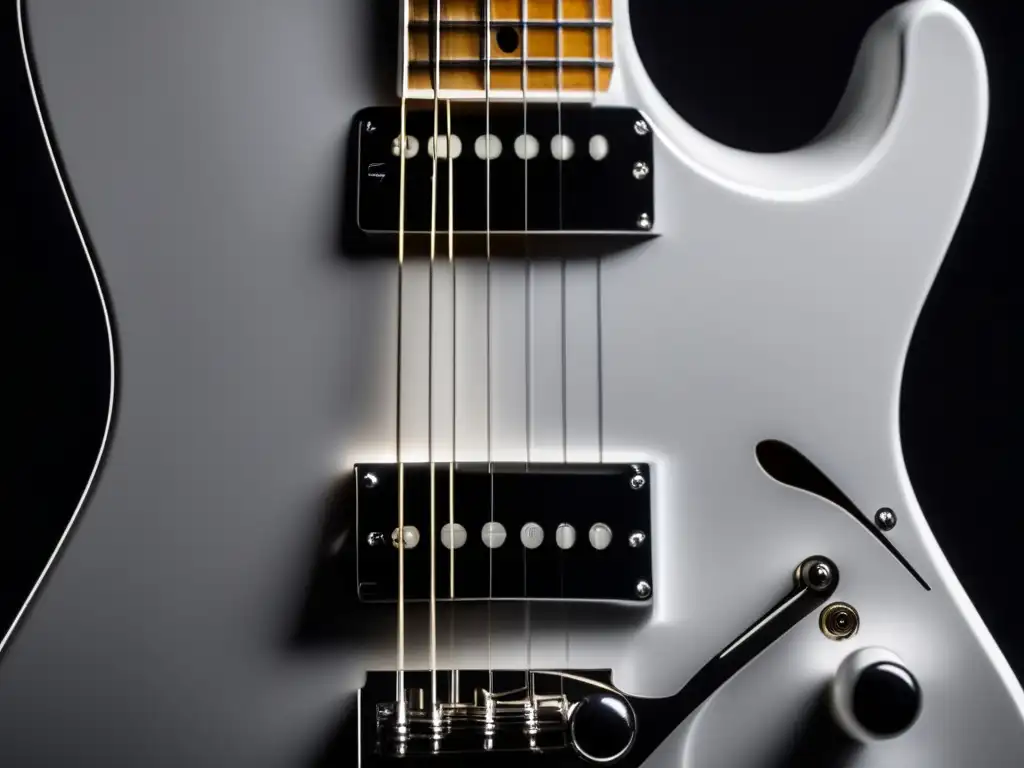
[[603, 551], [543, 195]]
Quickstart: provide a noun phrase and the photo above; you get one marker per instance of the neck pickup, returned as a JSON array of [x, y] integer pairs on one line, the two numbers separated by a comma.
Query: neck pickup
[[545, 170]]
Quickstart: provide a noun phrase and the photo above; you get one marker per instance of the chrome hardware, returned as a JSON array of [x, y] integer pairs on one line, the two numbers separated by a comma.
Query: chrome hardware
[[641, 171], [643, 589], [375, 539], [839, 621], [637, 481], [885, 519], [550, 711], [527, 721], [637, 538], [641, 127], [816, 574], [370, 480], [644, 222]]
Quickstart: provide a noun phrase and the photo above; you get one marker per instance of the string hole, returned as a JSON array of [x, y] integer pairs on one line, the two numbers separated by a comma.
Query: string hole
[[508, 39]]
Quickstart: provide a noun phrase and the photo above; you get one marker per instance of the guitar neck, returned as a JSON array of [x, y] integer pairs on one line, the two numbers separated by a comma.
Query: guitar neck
[[509, 50]]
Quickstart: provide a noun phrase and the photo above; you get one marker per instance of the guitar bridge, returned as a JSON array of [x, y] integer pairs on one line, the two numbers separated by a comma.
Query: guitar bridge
[[529, 714]]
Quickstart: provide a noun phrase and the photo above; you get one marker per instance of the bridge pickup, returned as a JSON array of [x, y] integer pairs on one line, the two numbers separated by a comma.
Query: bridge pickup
[[603, 185], [579, 532]]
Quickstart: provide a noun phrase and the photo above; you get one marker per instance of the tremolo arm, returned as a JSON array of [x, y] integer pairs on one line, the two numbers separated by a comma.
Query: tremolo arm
[[554, 715]]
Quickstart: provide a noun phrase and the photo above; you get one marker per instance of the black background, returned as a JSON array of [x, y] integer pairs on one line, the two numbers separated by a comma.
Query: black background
[[757, 75]]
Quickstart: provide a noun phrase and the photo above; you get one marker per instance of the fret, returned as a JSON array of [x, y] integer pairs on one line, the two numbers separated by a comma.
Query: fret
[[530, 24], [576, 36], [511, 11], [465, 44]]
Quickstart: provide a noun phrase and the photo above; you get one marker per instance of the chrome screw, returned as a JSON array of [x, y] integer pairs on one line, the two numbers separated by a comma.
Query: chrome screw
[[370, 128], [641, 127], [636, 538], [817, 575], [641, 170], [644, 222], [375, 539], [643, 589], [885, 519], [636, 482], [370, 480]]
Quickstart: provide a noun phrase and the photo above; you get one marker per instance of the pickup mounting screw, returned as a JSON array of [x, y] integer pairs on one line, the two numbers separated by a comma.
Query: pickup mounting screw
[[885, 519], [641, 127], [637, 538], [641, 170], [370, 480], [375, 539], [370, 127], [637, 481], [643, 589], [644, 222]]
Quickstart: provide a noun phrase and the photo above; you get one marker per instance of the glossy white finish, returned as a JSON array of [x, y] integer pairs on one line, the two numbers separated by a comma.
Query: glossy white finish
[[777, 303]]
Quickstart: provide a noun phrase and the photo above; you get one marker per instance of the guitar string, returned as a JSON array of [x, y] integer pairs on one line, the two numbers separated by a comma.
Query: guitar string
[[597, 261], [525, 52], [559, 55], [400, 662], [453, 687], [490, 467], [430, 365]]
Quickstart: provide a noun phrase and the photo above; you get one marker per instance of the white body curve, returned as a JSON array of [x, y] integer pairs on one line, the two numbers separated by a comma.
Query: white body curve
[[778, 302]]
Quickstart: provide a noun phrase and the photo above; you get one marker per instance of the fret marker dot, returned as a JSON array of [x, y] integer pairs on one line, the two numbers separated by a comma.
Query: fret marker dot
[[493, 535], [442, 147], [600, 536], [453, 536], [565, 536], [531, 535], [527, 147], [412, 146], [599, 147], [507, 39], [410, 537], [488, 147], [562, 148]]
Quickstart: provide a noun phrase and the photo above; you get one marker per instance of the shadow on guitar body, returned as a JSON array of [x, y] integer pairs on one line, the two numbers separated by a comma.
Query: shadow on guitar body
[[817, 741]]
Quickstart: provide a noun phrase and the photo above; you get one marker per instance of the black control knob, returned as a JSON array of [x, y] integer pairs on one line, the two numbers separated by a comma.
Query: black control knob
[[602, 727], [874, 696]]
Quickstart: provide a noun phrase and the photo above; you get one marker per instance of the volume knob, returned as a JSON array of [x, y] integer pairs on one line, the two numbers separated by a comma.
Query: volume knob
[[874, 696], [602, 727]]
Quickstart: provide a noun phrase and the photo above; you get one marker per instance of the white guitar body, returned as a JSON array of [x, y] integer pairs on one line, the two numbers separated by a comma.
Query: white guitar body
[[777, 301]]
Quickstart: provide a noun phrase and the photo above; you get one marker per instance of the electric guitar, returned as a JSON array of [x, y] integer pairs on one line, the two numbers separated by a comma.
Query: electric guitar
[[595, 419]]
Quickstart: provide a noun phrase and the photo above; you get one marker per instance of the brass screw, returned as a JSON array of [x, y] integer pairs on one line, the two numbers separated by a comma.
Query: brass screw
[[839, 621]]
